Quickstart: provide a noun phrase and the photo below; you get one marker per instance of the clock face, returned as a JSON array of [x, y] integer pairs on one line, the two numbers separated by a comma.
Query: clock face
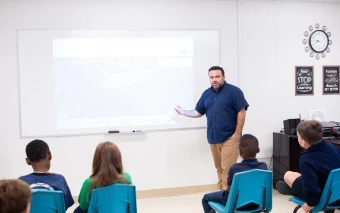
[[318, 41]]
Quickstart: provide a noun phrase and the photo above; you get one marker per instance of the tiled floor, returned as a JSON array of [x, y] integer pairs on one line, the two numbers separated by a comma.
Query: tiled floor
[[192, 204]]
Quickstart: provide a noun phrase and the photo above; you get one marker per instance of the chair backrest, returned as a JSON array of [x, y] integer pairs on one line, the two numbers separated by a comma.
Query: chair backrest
[[113, 198], [252, 189], [47, 201], [330, 193]]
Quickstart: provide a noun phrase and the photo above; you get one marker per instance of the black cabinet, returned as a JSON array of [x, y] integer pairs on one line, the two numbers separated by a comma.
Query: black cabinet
[[286, 154]]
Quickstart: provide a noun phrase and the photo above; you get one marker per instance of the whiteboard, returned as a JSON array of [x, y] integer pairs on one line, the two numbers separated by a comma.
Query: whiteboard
[[75, 82]]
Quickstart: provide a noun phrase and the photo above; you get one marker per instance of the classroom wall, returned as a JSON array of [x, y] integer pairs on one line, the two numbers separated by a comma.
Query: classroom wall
[[271, 46], [261, 42]]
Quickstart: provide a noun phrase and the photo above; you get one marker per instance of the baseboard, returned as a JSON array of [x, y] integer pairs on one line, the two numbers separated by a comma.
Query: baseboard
[[165, 192]]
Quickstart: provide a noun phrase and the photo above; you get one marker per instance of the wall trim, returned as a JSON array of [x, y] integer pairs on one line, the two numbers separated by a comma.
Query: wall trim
[[166, 192]]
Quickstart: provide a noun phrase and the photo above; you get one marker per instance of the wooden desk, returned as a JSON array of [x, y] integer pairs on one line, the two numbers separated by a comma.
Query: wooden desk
[[336, 142], [286, 154]]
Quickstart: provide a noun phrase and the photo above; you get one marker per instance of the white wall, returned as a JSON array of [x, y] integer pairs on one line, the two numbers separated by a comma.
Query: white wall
[[155, 160], [259, 54], [290, 55], [271, 34]]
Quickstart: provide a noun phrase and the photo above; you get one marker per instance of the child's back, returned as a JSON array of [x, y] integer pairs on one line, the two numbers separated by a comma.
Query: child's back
[[107, 169], [39, 157], [249, 164], [315, 165], [245, 165], [50, 181], [248, 147]]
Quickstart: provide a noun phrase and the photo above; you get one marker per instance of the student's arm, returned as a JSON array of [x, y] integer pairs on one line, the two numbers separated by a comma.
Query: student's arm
[[127, 177], [84, 194], [310, 183], [230, 177], [263, 166], [307, 208], [68, 196]]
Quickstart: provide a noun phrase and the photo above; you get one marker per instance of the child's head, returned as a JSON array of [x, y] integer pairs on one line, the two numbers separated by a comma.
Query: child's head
[[15, 196], [248, 146], [107, 165], [38, 155], [309, 133]]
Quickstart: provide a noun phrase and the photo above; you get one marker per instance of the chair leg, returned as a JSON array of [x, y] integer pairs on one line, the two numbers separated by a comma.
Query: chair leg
[[296, 209]]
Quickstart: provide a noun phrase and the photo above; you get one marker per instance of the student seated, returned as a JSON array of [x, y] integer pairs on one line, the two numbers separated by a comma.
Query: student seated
[[249, 147], [319, 159], [15, 196], [39, 157], [107, 169]]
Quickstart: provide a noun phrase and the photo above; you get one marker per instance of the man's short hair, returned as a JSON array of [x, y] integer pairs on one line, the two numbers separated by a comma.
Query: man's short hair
[[37, 150], [14, 196], [311, 131], [249, 145], [216, 68]]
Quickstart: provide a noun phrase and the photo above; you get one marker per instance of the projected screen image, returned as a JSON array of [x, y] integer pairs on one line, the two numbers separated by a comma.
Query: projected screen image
[[79, 82], [121, 81]]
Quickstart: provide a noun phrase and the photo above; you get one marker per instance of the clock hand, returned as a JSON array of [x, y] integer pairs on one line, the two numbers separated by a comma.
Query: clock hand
[[316, 41]]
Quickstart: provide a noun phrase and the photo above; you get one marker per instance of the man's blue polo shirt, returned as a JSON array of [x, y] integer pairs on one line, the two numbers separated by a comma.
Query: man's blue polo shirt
[[221, 108]]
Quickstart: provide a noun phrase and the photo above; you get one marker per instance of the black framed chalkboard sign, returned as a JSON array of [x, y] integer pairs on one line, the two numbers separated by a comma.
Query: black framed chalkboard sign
[[304, 80], [330, 80]]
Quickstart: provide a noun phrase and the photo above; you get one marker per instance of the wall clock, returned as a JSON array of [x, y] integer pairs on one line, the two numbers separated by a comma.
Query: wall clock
[[317, 41]]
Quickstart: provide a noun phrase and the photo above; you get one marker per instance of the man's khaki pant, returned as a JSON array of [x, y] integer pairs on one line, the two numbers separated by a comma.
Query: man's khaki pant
[[225, 154]]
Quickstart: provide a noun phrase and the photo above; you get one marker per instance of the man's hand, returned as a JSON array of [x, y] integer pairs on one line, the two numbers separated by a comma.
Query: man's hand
[[236, 136], [307, 208], [188, 113], [180, 110]]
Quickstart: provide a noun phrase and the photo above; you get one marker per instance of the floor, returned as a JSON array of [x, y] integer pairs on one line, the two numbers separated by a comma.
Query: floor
[[192, 204]]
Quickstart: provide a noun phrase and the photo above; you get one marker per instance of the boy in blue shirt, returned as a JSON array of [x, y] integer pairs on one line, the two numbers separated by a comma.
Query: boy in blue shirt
[[249, 147], [319, 159], [39, 157]]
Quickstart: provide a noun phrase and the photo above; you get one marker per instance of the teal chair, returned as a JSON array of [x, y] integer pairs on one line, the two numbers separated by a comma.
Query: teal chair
[[330, 197], [115, 198], [250, 191], [47, 201]]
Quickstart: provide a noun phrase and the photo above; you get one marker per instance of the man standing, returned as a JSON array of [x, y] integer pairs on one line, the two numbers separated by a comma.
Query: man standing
[[225, 107]]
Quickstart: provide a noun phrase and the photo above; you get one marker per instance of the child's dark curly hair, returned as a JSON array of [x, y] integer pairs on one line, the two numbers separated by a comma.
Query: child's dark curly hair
[[37, 150]]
